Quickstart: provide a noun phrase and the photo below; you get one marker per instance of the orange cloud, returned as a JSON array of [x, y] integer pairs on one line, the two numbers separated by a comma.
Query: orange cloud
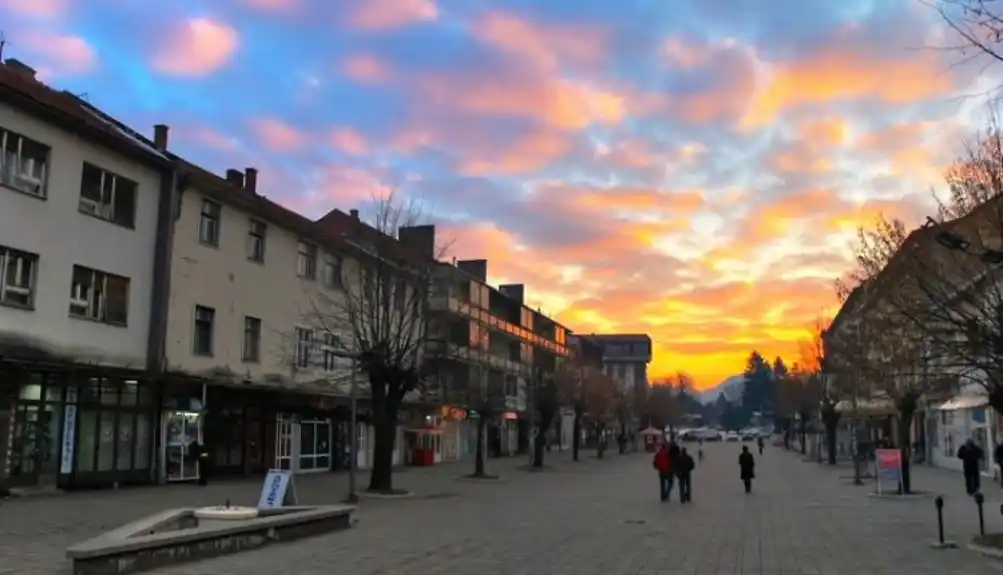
[[829, 131], [278, 136], [526, 154], [366, 68], [376, 15], [197, 47], [837, 75], [560, 103]]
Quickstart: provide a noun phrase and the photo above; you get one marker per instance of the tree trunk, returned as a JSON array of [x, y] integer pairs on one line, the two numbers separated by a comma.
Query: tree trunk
[[600, 440], [479, 450], [830, 419], [804, 435], [905, 447], [385, 426], [576, 438], [540, 441]]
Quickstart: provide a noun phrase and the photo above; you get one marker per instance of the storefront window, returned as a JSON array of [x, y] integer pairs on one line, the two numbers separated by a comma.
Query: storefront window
[[126, 442], [86, 444], [143, 441], [106, 441]]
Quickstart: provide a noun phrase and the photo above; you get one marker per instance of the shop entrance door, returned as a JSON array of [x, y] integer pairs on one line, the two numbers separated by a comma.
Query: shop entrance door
[[284, 430], [182, 429], [35, 444]]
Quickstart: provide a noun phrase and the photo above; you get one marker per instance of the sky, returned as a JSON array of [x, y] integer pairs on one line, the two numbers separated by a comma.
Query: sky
[[693, 170]]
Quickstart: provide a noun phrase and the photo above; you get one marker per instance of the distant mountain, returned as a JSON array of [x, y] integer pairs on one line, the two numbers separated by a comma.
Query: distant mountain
[[731, 387]]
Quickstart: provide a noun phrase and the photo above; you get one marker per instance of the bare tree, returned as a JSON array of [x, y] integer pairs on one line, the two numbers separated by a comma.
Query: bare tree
[[873, 249], [798, 394], [602, 401], [377, 318], [662, 406], [829, 360], [547, 403], [573, 379], [978, 25]]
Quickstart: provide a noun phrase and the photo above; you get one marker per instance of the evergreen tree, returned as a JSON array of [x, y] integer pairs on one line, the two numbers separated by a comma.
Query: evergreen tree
[[758, 391]]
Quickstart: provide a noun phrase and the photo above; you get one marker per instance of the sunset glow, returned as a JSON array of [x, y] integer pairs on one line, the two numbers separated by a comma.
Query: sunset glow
[[691, 170]]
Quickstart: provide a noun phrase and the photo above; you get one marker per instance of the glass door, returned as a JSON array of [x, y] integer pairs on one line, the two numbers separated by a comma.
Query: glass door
[[284, 442], [315, 445], [182, 429]]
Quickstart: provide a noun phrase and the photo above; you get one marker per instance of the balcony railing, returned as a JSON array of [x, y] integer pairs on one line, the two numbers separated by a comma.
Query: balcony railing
[[470, 355], [452, 304]]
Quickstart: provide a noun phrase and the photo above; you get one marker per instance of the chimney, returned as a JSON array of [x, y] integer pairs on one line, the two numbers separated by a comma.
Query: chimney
[[420, 239], [514, 292], [251, 180], [354, 214], [20, 68], [476, 268], [235, 177], [160, 133]]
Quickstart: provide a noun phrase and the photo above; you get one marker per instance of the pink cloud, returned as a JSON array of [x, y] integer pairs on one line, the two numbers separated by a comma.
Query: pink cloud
[[366, 68], [62, 54], [277, 135], [274, 5], [544, 47], [349, 141], [36, 8], [198, 47], [390, 14], [206, 136]]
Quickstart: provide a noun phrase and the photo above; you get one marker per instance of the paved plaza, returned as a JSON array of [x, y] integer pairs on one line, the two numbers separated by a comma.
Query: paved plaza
[[594, 517]]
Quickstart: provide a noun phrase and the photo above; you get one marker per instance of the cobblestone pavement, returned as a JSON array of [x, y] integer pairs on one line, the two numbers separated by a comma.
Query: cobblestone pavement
[[593, 517]]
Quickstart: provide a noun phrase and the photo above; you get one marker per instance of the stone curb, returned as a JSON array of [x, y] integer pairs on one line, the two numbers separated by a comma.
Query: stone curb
[[987, 551], [390, 496]]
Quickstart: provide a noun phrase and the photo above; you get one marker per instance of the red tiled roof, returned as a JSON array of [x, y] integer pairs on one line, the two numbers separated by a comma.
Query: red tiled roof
[[75, 115]]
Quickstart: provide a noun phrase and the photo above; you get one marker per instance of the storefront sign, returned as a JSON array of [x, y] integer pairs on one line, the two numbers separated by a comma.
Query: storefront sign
[[277, 490], [889, 468], [453, 413], [69, 439], [510, 415]]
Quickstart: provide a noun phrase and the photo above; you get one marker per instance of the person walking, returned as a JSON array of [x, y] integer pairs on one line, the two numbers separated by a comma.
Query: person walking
[[683, 468], [747, 467], [700, 450], [971, 455], [998, 456], [662, 463], [760, 443]]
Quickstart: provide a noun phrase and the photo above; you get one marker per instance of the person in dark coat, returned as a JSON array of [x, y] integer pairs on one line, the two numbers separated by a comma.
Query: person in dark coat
[[760, 443], [998, 456], [970, 455], [683, 468], [747, 466], [662, 463]]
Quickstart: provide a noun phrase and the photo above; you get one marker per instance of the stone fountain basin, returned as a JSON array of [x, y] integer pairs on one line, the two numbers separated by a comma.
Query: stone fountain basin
[[177, 536]]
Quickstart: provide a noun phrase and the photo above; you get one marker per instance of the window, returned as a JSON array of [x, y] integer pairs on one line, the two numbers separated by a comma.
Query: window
[[24, 163], [108, 196], [329, 349], [256, 241], [99, 296], [306, 261], [252, 340], [18, 272], [332, 273], [209, 223], [304, 346], [205, 320]]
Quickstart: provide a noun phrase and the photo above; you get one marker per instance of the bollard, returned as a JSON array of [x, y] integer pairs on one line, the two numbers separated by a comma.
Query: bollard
[[939, 503], [979, 500]]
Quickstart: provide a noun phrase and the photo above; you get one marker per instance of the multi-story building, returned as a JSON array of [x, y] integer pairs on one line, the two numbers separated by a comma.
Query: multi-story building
[[249, 338], [492, 351], [85, 224], [625, 359]]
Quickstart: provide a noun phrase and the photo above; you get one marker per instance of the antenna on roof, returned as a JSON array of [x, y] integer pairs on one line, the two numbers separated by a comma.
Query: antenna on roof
[[3, 44]]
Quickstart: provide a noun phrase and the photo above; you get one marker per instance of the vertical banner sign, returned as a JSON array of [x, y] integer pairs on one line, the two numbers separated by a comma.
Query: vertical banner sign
[[69, 445], [889, 468]]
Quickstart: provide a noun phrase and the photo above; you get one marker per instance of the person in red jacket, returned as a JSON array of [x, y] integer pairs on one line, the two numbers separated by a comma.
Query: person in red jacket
[[663, 465]]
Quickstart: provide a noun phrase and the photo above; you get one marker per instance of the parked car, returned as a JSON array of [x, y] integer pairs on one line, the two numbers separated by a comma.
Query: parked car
[[731, 436]]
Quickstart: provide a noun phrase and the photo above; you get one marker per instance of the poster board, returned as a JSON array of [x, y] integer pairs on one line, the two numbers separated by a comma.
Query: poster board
[[888, 469], [277, 490]]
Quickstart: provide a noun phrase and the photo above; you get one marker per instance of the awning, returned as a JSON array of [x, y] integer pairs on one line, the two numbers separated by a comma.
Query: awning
[[964, 402]]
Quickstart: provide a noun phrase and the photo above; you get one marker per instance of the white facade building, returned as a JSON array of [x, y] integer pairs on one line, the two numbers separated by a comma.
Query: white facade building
[[247, 274], [85, 221]]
